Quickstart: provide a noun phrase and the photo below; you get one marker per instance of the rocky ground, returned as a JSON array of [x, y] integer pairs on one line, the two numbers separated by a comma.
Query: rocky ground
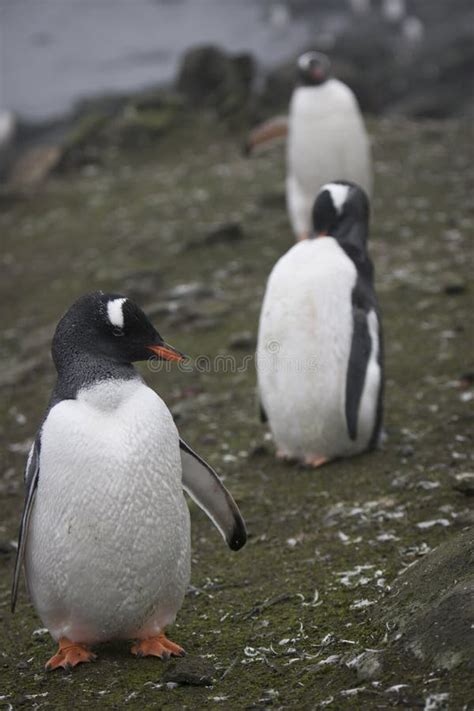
[[337, 600]]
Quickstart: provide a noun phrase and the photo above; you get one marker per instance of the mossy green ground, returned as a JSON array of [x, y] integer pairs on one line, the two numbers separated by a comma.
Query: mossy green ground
[[114, 226]]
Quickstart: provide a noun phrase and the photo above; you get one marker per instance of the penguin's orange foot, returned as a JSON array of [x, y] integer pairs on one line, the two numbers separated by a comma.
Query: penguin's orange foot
[[315, 462], [69, 655], [157, 647]]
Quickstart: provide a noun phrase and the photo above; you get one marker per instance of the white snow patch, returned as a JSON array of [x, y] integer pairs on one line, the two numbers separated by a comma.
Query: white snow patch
[[396, 688], [436, 522], [352, 692], [384, 537], [361, 604], [436, 702], [332, 659]]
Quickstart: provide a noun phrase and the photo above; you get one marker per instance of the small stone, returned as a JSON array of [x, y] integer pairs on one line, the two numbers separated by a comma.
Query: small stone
[[464, 483], [191, 671], [242, 341], [466, 380], [225, 233], [406, 450], [190, 290], [6, 548], [455, 288], [260, 450]]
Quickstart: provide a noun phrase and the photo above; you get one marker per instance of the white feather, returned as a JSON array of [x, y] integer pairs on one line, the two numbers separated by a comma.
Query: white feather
[[327, 141], [338, 194], [108, 552], [115, 312], [303, 351]]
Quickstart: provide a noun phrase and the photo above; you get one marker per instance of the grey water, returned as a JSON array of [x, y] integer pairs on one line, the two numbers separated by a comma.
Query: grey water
[[55, 52]]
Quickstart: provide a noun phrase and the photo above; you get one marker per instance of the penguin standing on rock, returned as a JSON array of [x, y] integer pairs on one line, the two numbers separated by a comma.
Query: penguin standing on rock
[[326, 138], [105, 532], [319, 351]]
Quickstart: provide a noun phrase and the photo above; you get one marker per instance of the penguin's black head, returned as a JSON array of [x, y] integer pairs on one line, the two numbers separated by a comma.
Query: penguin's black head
[[338, 207], [108, 326], [313, 68]]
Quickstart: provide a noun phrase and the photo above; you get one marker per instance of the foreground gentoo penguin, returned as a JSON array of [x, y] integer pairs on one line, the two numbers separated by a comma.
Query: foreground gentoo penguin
[[105, 532], [326, 139], [319, 352]]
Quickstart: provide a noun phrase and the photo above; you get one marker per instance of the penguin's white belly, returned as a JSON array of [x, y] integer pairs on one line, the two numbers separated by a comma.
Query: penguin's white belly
[[108, 551], [303, 352], [327, 141]]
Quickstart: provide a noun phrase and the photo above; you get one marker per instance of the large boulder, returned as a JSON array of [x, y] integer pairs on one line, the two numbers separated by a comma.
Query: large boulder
[[430, 610], [278, 87], [209, 77]]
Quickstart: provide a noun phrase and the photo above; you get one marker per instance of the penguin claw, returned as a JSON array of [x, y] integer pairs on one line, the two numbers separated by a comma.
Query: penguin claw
[[158, 646], [69, 655]]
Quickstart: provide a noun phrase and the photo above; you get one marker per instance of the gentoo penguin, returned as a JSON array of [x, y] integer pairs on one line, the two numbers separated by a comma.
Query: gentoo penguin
[[105, 532], [326, 139], [319, 351]]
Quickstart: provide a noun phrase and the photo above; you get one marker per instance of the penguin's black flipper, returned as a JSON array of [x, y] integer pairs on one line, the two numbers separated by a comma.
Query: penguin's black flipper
[[31, 483], [357, 368], [263, 414], [203, 485]]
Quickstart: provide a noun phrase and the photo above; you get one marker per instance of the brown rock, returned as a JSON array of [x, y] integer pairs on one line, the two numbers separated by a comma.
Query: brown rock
[[33, 167], [430, 609], [191, 671]]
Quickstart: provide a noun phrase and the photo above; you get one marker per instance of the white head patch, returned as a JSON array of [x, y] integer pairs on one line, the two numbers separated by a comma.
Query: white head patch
[[338, 194], [304, 60], [115, 312]]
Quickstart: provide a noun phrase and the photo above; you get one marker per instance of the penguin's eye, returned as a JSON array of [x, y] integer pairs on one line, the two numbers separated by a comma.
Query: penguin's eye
[[118, 331]]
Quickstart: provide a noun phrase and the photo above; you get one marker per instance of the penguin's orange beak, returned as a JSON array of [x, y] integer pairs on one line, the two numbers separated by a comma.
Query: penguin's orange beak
[[167, 352]]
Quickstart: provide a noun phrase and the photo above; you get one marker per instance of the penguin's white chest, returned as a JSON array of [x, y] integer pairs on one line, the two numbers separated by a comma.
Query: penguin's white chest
[[303, 349], [108, 549], [327, 141]]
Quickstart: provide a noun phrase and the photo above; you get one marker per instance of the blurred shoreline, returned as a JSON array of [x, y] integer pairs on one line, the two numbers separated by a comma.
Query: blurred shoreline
[[409, 57]]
